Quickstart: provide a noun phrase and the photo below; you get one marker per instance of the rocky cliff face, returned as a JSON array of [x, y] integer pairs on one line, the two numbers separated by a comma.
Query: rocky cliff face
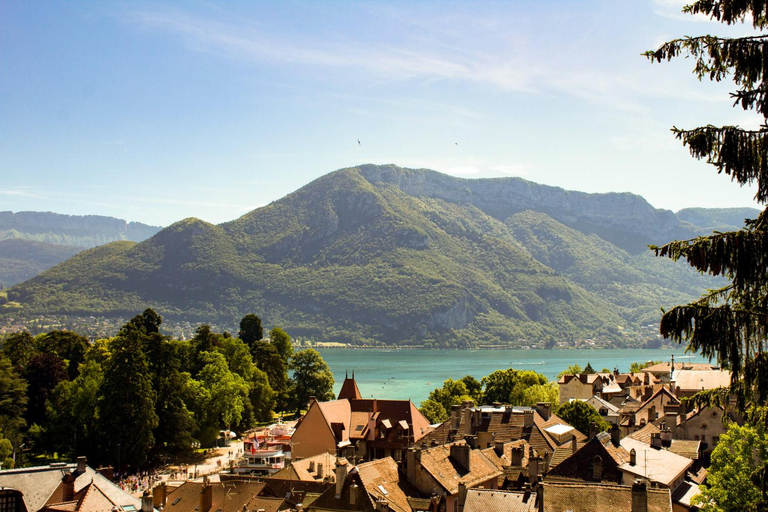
[[624, 219], [83, 230]]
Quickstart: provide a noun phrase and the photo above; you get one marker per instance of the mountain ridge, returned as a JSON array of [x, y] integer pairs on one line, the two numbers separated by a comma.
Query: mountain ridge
[[386, 255]]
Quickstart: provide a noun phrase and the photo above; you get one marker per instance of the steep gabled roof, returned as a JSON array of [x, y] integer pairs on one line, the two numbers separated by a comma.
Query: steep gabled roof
[[437, 462], [349, 389], [579, 465], [381, 480]]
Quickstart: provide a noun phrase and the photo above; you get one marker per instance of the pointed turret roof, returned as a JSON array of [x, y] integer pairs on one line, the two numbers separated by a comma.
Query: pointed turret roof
[[349, 389]]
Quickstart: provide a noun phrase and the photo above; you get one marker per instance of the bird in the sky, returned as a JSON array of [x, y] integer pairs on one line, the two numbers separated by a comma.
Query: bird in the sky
[[358, 142]]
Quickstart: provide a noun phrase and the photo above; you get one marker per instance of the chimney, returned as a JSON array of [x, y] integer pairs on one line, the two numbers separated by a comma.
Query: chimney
[[81, 465], [353, 494], [485, 439], [382, 505], [534, 469], [597, 468], [108, 472], [544, 409], [656, 440], [467, 411], [311, 466], [632, 457], [341, 475], [159, 495], [471, 441], [455, 416], [498, 447], [147, 503], [592, 430], [666, 435], [461, 453], [527, 418], [462, 497], [574, 446], [517, 456], [319, 470], [545, 461], [639, 496], [68, 486], [615, 435], [413, 458], [206, 496]]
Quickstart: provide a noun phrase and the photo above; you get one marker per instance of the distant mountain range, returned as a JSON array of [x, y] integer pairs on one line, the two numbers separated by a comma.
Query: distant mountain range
[[381, 254], [31, 242]]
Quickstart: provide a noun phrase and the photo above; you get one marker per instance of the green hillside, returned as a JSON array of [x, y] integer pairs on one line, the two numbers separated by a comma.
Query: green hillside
[[22, 259], [384, 255]]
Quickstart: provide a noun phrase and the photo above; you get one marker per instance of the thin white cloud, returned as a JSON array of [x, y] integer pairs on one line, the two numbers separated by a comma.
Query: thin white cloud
[[511, 72], [22, 193]]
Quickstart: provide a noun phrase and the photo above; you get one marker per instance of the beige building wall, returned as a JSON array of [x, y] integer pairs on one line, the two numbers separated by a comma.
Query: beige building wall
[[313, 436]]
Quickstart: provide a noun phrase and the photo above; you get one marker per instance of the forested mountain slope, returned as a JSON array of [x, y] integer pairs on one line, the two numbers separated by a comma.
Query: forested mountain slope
[[381, 254]]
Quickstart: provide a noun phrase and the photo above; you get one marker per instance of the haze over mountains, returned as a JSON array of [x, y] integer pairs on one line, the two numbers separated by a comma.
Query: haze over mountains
[[31, 242], [381, 254]]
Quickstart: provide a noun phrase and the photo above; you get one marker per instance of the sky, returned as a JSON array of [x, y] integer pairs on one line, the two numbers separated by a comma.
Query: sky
[[158, 111]]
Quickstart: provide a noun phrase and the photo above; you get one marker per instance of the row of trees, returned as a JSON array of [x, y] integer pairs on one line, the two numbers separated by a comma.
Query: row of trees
[[142, 396], [510, 386], [505, 386]]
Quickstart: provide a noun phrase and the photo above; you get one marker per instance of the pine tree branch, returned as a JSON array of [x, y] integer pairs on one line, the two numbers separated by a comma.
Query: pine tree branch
[[741, 154], [741, 256], [731, 11], [716, 58]]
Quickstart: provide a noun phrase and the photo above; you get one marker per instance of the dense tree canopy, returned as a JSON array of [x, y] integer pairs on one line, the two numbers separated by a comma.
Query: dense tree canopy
[[250, 329], [581, 416], [729, 324], [311, 377], [737, 461]]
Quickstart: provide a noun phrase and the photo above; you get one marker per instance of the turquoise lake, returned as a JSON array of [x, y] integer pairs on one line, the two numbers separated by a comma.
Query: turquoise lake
[[412, 374]]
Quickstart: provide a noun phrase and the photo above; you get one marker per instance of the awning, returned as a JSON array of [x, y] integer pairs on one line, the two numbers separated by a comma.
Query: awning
[[403, 424], [386, 423]]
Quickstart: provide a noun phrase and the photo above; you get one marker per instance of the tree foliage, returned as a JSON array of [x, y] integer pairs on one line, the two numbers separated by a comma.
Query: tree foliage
[[735, 477], [251, 330], [433, 411], [581, 416], [729, 324], [311, 377]]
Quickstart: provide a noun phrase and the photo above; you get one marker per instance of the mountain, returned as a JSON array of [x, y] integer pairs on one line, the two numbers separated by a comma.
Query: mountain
[[73, 230], [31, 242], [23, 259], [381, 254]]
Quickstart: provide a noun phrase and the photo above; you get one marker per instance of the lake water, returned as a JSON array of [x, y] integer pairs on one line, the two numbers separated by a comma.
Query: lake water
[[412, 374]]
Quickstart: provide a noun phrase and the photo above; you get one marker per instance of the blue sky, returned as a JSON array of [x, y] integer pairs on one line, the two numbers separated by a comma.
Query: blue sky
[[157, 111]]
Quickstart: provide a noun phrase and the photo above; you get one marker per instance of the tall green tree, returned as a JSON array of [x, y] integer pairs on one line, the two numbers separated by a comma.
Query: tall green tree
[[282, 342], [72, 425], [251, 330], [43, 373], [126, 403], [68, 345], [20, 348], [268, 360], [729, 324], [311, 377], [13, 402]]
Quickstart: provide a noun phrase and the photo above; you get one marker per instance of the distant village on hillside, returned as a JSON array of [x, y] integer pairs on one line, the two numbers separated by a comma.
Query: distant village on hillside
[[378, 455]]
